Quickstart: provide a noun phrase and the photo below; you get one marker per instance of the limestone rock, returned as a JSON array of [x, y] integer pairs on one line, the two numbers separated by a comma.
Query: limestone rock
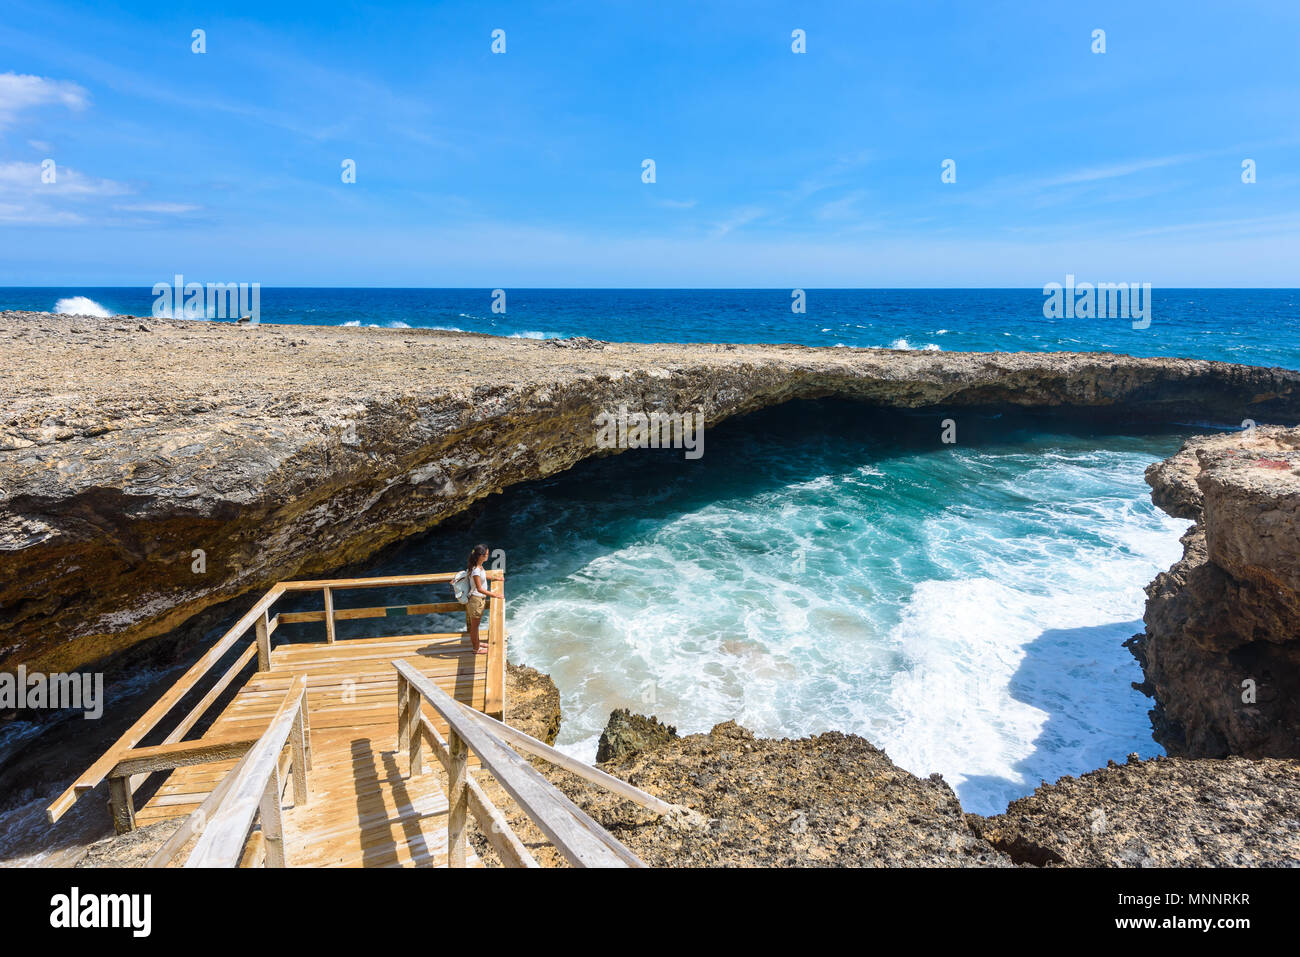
[[1221, 650], [1165, 812], [627, 733], [828, 800], [532, 702]]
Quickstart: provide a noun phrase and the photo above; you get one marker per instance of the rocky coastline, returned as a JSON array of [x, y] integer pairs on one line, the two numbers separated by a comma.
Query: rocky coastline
[[184, 464], [127, 444], [1221, 650]]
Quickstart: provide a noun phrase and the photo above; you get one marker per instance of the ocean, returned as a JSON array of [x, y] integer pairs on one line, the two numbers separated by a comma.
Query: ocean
[[822, 567], [1255, 326]]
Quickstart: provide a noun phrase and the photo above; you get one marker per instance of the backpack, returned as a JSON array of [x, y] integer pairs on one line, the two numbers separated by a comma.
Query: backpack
[[460, 586]]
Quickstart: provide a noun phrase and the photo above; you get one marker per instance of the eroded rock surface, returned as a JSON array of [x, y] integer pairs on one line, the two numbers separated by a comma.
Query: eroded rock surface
[[627, 733], [1164, 812], [532, 702], [828, 800], [1221, 650], [148, 475]]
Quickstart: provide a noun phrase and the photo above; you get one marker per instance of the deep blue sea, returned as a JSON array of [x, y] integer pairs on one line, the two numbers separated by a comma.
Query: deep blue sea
[[827, 568], [1256, 326]]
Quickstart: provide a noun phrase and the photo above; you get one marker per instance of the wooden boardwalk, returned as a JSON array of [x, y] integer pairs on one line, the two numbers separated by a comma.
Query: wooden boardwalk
[[364, 810], [319, 758]]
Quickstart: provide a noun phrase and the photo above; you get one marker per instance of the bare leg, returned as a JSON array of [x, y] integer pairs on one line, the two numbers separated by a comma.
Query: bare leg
[[473, 636]]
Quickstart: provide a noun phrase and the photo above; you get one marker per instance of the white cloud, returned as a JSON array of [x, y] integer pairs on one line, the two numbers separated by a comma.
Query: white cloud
[[25, 179], [24, 198], [22, 91]]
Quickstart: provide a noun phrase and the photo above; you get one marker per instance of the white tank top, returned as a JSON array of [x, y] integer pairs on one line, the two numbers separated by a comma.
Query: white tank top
[[479, 583]]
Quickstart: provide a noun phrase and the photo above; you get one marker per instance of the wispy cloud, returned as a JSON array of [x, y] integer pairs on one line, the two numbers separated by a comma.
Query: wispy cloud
[[161, 208], [1094, 173], [18, 177], [741, 217], [21, 91], [73, 198], [842, 208]]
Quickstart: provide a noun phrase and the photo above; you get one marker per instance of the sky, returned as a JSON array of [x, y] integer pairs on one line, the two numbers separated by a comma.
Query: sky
[[772, 168]]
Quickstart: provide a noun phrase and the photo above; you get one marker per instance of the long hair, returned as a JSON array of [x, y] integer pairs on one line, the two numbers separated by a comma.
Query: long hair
[[476, 555]]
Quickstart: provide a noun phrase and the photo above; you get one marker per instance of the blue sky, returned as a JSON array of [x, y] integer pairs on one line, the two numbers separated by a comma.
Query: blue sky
[[773, 168]]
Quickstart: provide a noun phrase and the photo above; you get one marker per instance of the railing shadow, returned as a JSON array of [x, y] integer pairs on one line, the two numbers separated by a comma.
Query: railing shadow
[[375, 822]]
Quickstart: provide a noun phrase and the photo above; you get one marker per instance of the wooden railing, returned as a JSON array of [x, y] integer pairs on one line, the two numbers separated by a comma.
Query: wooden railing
[[250, 793], [109, 760], [582, 841], [127, 765]]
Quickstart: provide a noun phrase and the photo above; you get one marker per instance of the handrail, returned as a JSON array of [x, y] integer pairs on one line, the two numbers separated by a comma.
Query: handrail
[[256, 789], [259, 620], [492, 822], [197, 819], [92, 776], [540, 749], [582, 841]]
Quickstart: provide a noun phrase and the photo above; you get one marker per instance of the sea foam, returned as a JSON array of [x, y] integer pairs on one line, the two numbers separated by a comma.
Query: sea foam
[[975, 630], [81, 306]]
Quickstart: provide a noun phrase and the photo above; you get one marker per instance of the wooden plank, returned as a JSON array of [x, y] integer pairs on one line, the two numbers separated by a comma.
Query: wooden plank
[[403, 719], [179, 754], [374, 611], [96, 773], [390, 581], [298, 743], [457, 797], [495, 703], [263, 643], [524, 742], [329, 615], [269, 814], [121, 805], [580, 839], [414, 739], [222, 841]]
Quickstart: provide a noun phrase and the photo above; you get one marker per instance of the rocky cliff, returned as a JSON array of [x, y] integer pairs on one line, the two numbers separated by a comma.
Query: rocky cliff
[[1221, 650], [835, 800], [152, 469]]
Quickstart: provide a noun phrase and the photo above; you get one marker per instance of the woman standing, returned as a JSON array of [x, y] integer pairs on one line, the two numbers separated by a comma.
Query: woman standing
[[479, 593]]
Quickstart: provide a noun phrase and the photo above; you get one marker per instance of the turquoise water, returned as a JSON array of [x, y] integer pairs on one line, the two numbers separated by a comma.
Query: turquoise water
[[825, 566]]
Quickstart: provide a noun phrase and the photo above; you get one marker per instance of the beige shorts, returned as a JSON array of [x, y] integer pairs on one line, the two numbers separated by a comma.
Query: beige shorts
[[474, 608]]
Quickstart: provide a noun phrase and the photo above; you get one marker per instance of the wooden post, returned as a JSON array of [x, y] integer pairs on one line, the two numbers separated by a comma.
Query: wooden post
[[329, 615], [306, 727], [272, 829], [263, 643], [495, 696], [402, 725], [457, 797], [413, 733], [120, 804], [298, 742]]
